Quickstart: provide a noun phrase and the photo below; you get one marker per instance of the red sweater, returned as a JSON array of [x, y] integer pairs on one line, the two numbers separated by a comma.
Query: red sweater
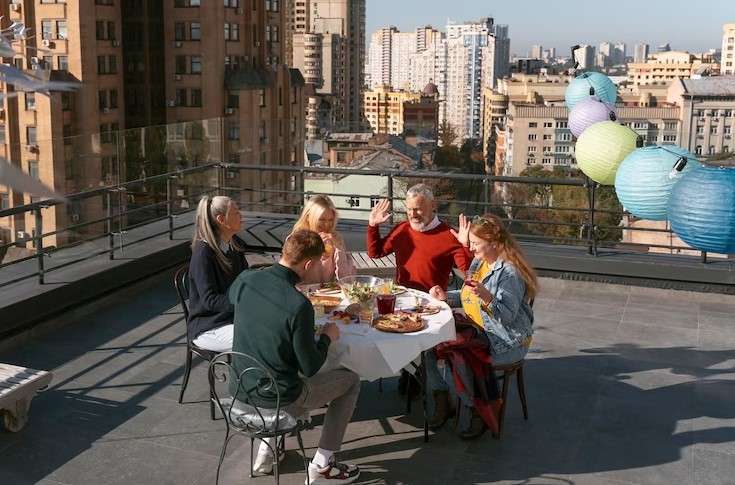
[[423, 259]]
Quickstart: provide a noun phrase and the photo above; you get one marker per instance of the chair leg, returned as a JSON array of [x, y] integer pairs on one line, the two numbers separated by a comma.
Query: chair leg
[[252, 445], [210, 378], [522, 391], [504, 397], [222, 454], [187, 371]]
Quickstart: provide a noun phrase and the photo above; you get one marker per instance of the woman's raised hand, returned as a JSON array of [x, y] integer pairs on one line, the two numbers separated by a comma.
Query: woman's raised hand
[[438, 293], [380, 213], [463, 233]]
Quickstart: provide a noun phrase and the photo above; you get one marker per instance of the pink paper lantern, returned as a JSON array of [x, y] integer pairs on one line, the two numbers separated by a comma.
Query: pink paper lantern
[[588, 112]]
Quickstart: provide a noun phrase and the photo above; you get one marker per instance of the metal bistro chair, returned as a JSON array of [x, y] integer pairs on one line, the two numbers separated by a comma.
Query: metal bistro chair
[[181, 282], [251, 380]]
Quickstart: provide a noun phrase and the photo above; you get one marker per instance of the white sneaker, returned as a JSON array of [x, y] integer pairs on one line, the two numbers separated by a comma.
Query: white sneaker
[[332, 474], [264, 461]]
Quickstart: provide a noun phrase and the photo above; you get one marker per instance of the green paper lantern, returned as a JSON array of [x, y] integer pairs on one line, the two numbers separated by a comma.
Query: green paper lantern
[[601, 149]]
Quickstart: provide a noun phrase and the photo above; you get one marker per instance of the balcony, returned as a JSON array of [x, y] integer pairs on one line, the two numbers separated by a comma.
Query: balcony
[[628, 380]]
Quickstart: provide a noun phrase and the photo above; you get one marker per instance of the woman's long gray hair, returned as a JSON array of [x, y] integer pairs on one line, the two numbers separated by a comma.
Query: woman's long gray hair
[[206, 228]]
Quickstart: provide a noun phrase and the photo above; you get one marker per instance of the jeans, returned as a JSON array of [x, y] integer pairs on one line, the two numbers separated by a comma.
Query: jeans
[[218, 339], [339, 388], [442, 378]]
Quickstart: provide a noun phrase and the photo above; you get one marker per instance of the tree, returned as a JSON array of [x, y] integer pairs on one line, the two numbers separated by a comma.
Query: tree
[[447, 134]]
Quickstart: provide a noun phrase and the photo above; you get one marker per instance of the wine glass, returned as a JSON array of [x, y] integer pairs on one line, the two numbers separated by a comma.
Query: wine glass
[[470, 282]]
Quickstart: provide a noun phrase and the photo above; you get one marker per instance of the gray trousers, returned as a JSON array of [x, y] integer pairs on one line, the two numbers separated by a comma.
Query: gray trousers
[[339, 388]]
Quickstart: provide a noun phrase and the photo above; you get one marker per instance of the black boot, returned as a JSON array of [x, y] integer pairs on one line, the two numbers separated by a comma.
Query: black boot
[[476, 429], [442, 410]]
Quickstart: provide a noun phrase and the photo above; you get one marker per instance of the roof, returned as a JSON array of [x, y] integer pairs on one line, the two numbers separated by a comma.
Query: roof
[[710, 86], [247, 78], [296, 78]]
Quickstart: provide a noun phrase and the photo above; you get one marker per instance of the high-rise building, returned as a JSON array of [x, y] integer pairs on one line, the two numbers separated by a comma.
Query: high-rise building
[[537, 52], [664, 67], [391, 54], [604, 55], [641, 53], [586, 56], [330, 45], [728, 49], [143, 63], [618, 54]]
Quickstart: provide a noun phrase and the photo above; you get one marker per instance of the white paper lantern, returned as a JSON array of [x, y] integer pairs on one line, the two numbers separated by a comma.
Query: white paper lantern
[[588, 112]]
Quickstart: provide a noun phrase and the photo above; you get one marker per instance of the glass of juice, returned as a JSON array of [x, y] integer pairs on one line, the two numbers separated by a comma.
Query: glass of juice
[[386, 303]]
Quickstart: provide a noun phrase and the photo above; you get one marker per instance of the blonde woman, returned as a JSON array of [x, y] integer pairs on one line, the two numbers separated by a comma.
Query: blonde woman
[[319, 215], [217, 258]]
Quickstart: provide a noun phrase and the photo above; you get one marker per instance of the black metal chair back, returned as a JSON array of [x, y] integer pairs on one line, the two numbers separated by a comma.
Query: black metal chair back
[[250, 380], [181, 283]]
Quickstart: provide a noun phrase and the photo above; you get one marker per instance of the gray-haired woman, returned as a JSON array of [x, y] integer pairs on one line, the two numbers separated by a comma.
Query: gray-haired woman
[[217, 258]]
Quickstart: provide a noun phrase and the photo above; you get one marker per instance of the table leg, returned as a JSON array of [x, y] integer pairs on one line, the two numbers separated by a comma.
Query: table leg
[[423, 396]]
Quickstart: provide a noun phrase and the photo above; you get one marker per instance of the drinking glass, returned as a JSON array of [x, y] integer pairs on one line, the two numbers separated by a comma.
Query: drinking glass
[[470, 282], [386, 303]]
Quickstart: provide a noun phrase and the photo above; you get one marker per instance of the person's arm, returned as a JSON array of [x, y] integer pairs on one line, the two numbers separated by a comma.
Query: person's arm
[[379, 247], [203, 271], [309, 354], [342, 259], [462, 257], [504, 306]]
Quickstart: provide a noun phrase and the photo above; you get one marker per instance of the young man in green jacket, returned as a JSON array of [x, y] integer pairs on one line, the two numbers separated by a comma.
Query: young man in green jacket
[[274, 323]]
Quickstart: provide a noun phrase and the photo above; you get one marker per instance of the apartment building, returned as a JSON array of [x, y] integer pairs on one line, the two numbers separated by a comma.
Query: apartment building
[[728, 49], [391, 56], [664, 67], [392, 111], [329, 48], [217, 71], [641, 53]]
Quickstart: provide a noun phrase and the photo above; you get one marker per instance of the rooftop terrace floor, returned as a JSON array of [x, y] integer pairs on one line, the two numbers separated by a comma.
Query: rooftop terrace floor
[[624, 384]]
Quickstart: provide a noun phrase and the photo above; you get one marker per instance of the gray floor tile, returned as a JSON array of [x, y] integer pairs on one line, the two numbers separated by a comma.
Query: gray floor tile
[[713, 468]]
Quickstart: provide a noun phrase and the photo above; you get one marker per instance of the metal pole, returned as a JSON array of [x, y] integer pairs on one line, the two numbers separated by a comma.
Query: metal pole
[[703, 257], [591, 244], [169, 210], [390, 198], [110, 235], [39, 243]]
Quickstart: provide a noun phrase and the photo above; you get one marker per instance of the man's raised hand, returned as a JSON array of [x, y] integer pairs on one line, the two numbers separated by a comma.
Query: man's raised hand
[[380, 213], [463, 233]]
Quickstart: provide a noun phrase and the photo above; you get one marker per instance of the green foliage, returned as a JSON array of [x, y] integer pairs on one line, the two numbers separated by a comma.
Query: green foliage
[[561, 212]]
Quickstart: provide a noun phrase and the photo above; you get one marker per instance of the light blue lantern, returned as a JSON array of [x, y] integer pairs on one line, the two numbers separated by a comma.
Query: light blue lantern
[[701, 209], [588, 112], [590, 84], [646, 176]]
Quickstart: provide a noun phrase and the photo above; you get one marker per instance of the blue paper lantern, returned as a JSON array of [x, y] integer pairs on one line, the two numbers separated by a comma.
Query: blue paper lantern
[[646, 176], [590, 84], [588, 112], [701, 209], [601, 149]]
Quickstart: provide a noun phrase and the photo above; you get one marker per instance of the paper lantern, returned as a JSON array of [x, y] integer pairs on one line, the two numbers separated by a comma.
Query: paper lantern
[[588, 112], [645, 179], [701, 209], [601, 149], [590, 84]]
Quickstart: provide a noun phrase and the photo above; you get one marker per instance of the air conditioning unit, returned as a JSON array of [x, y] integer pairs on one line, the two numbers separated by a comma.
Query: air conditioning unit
[[256, 43], [177, 77], [20, 235], [115, 43], [229, 111], [106, 110], [239, 10], [245, 58], [231, 175], [75, 217], [170, 103], [46, 43], [31, 148], [15, 7], [177, 43]]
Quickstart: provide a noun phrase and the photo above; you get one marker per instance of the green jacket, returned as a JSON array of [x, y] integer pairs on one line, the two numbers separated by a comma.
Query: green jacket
[[274, 323]]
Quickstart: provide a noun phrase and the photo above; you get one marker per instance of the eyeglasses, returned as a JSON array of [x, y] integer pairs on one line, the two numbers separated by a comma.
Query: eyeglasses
[[479, 220]]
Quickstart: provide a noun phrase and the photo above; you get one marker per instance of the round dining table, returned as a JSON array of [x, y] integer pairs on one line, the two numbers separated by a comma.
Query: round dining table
[[373, 354]]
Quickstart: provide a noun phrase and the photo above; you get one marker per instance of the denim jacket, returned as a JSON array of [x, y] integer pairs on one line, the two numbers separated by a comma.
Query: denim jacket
[[512, 320]]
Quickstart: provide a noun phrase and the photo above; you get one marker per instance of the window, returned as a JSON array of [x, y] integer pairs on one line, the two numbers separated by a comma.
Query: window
[[101, 64], [48, 62], [112, 64], [354, 202], [4, 201], [532, 136], [46, 31], [533, 124], [698, 150], [546, 161], [181, 97], [713, 130], [562, 124], [230, 3], [548, 124], [63, 63], [531, 149], [65, 100], [547, 137], [31, 135], [233, 99], [196, 65], [261, 97], [61, 32], [180, 65], [179, 31], [66, 133], [196, 97], [33, 169], [232, 31], [102, 99], [711, 149], [234, 130], [195, 31], [2, 133], [30, 101], [700, 129], [113, 98]]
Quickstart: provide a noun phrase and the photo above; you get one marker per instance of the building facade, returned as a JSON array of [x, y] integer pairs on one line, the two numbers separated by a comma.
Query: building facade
[[665, 67], [728, 49]]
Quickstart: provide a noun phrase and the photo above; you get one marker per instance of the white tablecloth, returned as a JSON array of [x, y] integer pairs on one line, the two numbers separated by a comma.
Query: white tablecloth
[[374, 354]]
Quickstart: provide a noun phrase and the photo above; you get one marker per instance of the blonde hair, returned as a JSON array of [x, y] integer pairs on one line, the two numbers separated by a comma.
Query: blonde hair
[[314, 208], [490, 228], [206, 228]]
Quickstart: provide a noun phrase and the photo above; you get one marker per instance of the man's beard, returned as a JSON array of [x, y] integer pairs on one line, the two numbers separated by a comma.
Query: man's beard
[[418, 226]]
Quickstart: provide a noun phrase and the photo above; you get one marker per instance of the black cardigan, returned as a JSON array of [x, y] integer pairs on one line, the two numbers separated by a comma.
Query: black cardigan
[[208, 284]]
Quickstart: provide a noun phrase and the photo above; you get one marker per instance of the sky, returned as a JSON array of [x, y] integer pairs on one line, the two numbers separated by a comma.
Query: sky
[[693, 26]]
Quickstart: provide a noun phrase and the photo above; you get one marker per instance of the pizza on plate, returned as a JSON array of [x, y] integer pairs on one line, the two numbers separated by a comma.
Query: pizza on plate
[[399, 323]]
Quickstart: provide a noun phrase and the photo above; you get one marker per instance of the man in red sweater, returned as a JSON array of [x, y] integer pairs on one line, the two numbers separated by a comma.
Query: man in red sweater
[[426, 249]]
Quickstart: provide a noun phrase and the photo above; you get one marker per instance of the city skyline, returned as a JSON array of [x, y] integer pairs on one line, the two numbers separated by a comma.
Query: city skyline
[[562, 27]]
